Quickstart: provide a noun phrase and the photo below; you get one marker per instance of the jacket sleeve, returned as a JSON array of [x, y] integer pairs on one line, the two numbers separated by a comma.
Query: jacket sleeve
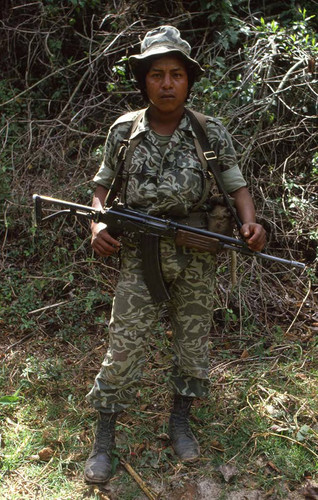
[[221, 142]]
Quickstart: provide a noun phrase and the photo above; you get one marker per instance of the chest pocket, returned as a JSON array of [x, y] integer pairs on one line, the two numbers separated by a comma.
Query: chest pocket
[[180, 182], [140, 180]]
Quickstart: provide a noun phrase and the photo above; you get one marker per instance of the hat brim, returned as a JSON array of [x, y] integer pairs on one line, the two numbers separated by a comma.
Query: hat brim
[[137, 61]]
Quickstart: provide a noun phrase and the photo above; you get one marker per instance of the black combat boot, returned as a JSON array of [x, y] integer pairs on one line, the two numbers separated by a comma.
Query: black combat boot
[[182, 439], [99, 464]]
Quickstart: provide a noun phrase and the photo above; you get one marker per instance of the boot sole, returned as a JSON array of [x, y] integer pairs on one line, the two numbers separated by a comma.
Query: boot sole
[[188, 460], [94, 481]]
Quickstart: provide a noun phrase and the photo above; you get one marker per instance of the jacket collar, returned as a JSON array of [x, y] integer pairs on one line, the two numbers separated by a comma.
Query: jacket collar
[[142, 127]]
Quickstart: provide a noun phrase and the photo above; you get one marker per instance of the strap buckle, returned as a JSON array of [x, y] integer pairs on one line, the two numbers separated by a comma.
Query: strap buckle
[[209, 155]]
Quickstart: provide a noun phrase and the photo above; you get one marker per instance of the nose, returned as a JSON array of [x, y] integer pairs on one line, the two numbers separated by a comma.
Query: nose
[[166, 83]]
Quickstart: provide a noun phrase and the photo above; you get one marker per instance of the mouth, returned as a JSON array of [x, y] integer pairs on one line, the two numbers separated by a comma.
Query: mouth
[[167, 96]]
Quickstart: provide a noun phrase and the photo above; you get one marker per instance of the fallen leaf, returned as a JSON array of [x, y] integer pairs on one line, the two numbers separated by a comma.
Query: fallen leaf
[[270, 492], [164, 436], [216, 445], [100, 494], [279, 428], [139, 448], [273, 466], [187, 492], [245, 354], [45, 454], [228, 471]]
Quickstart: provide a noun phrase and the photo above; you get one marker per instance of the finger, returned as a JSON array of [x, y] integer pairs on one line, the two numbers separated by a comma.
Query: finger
[[102, 252], [105, 236], [253, 238], [245, 232], [103, 247], [257, 245], [256, 233]]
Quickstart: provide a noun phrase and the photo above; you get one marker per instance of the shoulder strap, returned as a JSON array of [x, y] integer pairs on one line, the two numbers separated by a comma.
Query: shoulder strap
[[133, 141], [198, 122], [125, 153], [207, 181], [132, 144]]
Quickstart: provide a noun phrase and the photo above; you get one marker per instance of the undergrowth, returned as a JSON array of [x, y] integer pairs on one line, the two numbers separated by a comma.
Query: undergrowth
[[64, 82], [261, 417]]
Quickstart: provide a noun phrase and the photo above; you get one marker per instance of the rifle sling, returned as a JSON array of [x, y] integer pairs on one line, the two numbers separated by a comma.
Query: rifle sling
[[211, 160], [149, 243], [125, 153]]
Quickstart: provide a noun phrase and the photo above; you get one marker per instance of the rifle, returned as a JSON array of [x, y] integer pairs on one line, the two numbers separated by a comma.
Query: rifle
[[148, 229]]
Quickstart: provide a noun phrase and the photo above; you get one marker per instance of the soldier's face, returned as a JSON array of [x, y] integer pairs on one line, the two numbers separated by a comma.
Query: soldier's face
[[167, 84]]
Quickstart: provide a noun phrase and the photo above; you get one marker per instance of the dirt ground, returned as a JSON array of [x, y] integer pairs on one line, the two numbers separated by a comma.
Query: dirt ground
[[206, 489]]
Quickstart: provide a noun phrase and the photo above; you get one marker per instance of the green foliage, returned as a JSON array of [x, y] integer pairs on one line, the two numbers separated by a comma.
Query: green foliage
[[41, 370], [15, 305], [85, 3], [11, 400], [221, 13], [298, 36], [64, 81]]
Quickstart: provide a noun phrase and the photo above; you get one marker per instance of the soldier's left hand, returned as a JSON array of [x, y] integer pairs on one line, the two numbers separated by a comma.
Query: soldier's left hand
[[254, 235]]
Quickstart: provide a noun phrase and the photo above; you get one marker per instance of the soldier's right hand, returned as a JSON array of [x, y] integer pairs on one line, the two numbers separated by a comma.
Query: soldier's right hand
[[102, 242]]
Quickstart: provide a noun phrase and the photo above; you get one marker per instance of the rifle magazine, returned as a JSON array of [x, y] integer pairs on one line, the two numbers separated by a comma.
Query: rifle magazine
[[151, 266]]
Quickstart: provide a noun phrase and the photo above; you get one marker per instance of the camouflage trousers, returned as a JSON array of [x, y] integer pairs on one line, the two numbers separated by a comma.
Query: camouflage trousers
[[190, 278]]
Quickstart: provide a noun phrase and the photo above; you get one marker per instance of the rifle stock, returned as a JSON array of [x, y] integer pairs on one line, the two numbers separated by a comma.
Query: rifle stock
[[120, 219]]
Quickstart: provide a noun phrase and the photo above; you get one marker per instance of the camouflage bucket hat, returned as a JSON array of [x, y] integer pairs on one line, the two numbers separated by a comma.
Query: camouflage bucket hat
[[161, 41]]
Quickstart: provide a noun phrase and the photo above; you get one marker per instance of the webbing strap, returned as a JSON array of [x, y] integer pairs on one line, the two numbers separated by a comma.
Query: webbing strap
[[133, 141], [211, 158], [208, 178], [125, 153], [132, 144]]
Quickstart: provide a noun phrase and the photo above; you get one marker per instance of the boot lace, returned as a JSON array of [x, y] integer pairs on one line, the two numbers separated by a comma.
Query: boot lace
[[105, 433], [180, 425]]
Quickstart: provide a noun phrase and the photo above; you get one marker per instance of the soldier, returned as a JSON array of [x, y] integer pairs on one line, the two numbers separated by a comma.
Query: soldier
[[163, 177]]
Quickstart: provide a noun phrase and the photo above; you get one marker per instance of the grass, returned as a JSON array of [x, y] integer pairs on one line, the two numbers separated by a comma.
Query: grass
[[261, 416]]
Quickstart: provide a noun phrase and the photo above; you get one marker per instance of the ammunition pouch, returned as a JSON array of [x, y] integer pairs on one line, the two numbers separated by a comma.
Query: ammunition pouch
[[194, 219], [219, 218]]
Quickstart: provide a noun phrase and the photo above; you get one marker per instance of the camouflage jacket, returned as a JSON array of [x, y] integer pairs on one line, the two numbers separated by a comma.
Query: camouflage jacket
[[167, 180]]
